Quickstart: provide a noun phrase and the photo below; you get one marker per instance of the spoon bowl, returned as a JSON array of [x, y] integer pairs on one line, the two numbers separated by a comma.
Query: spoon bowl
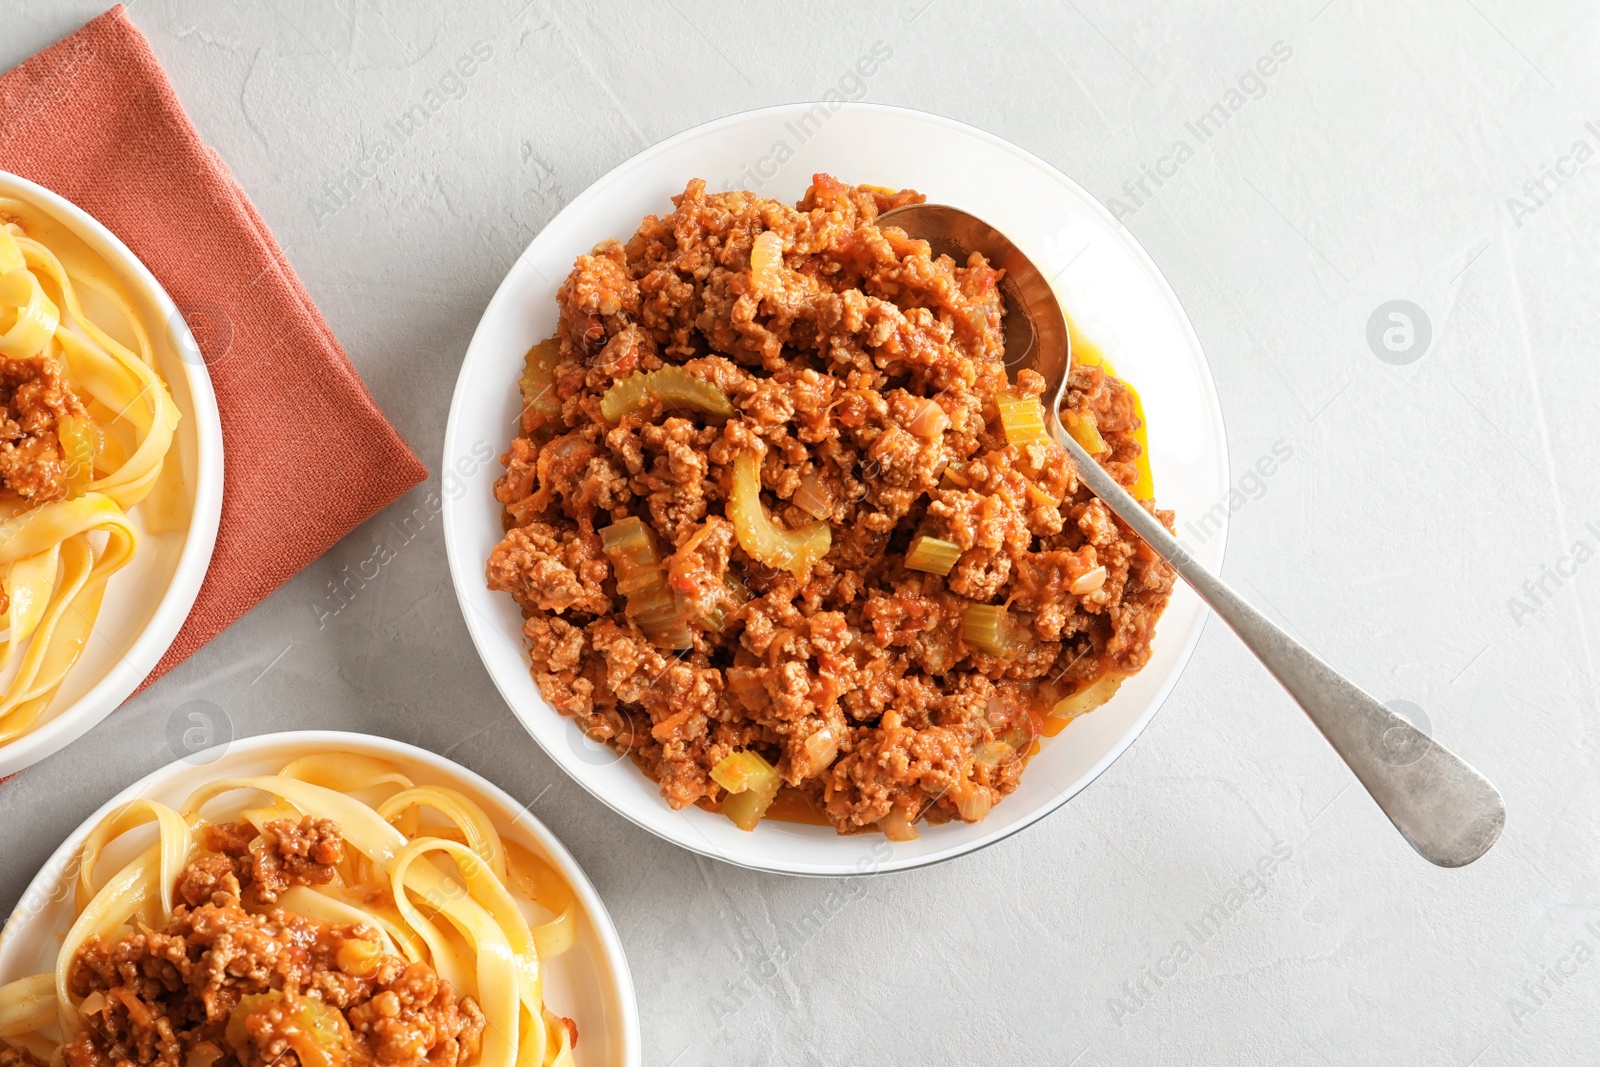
[[1035, 328]]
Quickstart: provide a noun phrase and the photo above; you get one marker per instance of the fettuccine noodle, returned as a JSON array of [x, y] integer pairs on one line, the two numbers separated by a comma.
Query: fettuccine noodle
[[424, 877], [96, 433]]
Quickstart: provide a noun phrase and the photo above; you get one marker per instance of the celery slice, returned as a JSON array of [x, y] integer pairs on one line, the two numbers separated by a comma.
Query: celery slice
[[752, 784], [932, 555], [636, 565], [746, 809], [630, 394], [990, 628], [1086, 431], [634, 553], [742, 770], [672, 385], [796, 551], [1022, 418], [632, 538], [539, 382]]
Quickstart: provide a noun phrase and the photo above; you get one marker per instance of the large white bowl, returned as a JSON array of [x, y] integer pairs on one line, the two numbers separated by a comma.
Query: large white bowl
[[147, 601], [1106, 282], [588, 983]]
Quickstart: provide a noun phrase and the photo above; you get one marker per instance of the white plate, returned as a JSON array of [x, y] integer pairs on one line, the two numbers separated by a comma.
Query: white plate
[[1107, 284], [589, 983], [147, 601]]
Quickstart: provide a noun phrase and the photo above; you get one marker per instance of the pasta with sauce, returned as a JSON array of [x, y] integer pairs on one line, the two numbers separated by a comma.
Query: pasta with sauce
[[353, 919], [86, 432]]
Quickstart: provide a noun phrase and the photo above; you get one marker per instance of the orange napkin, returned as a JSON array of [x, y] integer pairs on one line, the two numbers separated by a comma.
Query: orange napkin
[[307, 454]]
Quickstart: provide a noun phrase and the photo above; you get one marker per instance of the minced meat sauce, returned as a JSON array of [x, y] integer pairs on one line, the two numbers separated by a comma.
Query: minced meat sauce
[[233, 979], [34, 395], [851, 677]]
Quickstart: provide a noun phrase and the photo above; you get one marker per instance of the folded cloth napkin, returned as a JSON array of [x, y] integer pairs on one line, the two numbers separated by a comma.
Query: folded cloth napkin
[[307, 454]]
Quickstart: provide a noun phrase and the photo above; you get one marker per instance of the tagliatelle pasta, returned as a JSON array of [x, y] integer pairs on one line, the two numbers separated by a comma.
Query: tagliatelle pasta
[[86, 432], [353, 919]]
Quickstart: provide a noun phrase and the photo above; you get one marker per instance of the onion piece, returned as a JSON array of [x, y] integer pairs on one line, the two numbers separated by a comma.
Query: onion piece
[[766, 262], [973, 801], [822, 747], [929, 421], [1088, 582], [795, 551], [745, 684], [897, 825], [993, 753], [813, 497], [1088, 697]]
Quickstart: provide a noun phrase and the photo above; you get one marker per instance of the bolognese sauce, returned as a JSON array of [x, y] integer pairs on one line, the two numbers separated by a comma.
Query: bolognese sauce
[[778, 519]]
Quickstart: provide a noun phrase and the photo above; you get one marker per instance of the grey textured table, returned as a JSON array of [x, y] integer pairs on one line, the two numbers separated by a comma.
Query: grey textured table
[[1431, 531]]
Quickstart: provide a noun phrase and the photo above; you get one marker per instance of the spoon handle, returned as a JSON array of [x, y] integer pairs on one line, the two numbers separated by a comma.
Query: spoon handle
[[1447, 811]]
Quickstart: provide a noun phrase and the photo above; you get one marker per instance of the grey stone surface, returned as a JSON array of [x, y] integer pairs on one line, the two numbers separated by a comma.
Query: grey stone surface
[[1389, 158]]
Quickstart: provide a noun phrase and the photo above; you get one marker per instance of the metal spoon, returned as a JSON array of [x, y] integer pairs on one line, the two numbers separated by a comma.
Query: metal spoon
[[1443, 807]]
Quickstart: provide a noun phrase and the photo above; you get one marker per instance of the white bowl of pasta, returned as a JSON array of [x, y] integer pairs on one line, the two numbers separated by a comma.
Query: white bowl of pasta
[[111, 486], [289, 848]]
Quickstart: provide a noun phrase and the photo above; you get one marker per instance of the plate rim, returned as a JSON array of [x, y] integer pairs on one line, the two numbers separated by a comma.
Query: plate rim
[[352, 740], [172, 611], [482, 632]]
